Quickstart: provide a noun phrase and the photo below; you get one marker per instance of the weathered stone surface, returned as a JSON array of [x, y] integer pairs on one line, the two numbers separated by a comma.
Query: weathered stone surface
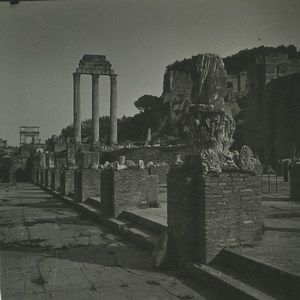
[[51, 252]]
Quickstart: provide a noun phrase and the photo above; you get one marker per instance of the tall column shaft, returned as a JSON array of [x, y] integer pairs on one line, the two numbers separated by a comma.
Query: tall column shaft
[[113, 110], [95, 107], [76, 108]]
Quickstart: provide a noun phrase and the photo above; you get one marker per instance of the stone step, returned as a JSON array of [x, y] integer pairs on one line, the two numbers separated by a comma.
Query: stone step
[[273, 280], [149, 222], [267, 197], [71, 195], [144, 238], [230, 287], [95, 201]]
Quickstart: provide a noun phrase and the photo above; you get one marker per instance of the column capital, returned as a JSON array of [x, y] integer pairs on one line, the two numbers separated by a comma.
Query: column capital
[[113, 78], [95, 77], [76, 76]]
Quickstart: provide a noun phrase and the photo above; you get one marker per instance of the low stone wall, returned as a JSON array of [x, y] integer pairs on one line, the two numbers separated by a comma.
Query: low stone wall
[[126, 189], [209, 212], [295, 182], [86, 184], [66, 182], [147, 154], [161, 172], [55, 179]]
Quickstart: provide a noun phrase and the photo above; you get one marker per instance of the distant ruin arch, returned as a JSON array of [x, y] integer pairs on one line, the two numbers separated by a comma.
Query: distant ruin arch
[[95, 65]]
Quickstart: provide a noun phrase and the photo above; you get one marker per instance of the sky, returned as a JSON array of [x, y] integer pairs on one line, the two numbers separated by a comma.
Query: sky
[[41, 43]]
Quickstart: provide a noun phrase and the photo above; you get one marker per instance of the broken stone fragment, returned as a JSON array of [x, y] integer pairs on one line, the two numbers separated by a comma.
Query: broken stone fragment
[[122, 160], [130, 164], [178, 160], [141, 164], [106, 164]]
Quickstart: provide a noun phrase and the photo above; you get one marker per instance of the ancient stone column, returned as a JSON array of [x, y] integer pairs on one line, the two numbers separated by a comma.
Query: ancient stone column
[[95, 107], [113, 110], [76, 103]]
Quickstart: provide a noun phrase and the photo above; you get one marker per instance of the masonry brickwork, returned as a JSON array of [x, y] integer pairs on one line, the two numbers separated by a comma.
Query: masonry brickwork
[[66, 182], [86, 184], [125, 189], [209, 212]]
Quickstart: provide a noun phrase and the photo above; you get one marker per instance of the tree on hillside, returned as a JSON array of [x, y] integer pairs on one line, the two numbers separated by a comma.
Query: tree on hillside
[[146, 102]]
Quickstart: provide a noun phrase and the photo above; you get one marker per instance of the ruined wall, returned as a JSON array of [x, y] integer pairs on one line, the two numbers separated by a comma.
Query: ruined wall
[[209, 212], [272, 123]]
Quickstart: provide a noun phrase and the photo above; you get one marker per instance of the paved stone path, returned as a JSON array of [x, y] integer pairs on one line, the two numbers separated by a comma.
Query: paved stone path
[[48, 251]]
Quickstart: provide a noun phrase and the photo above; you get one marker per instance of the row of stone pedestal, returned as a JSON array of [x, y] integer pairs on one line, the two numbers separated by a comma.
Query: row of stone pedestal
[[206, 212], [118, 190]]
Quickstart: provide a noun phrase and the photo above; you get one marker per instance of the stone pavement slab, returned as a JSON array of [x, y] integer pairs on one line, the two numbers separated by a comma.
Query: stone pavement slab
[[48, 251]]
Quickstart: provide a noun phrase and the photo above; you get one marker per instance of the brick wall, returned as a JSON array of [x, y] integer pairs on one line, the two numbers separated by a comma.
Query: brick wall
[[161, 172], [126, 189], [66, 182], [55, 179], [209, 212], [295, 182], [86, 184]]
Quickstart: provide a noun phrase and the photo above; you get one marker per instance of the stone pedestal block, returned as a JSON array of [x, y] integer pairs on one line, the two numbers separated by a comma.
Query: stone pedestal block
[[88, 159], [86, 184], [71, 150], [295, 182], [126, 189], [209, 212], [66, 182], [55, 179], [47, 177], [60, 160], [42, 176]]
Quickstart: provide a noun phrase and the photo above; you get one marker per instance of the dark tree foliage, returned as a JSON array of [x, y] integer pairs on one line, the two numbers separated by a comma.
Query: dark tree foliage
[[146, 102], [129, 128]]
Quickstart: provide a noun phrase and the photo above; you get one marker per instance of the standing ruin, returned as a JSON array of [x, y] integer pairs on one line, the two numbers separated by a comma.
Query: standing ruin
[[95, 65]]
